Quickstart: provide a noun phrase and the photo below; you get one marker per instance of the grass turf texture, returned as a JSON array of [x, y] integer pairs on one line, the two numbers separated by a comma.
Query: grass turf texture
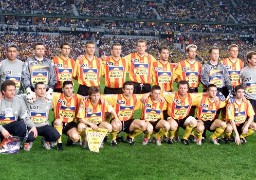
[[227, 161]]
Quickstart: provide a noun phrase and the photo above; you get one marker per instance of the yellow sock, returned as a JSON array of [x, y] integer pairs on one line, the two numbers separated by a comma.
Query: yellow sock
[[172, 134], [199, 135], [59, 129], [135, 133], [82, 134], [161, 133], [217, 132], [114, 134], [187, 132], [250, 132], [227, 134], [147, 135]]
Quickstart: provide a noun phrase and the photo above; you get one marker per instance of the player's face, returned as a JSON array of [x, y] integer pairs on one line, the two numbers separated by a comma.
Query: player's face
[[240, 94], [252, 61], [10, 92], [215, 55], [164, 55], [128, 90], [212, 91], [183, 89], [116, 51], [12, 53], [68, 90], [141, 47], [156, 94], [95, 97], [90, 49], [233, 52], [192, 53], [39, 50], [40, 90], [65, 51]]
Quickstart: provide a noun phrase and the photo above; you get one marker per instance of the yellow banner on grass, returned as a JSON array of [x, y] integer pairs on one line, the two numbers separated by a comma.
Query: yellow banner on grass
[[95, 138]]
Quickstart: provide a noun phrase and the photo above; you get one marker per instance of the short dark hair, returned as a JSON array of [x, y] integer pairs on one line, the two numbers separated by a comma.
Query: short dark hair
[[7, 83], [231, 46], [212, 48], [115, 44], [163, 48], [250, 54], [155, 87], [89, 42], [239, 87], [211, 85], [127, 83], [64, 44], [67, 83], [93, 90], [37, 44], [38, 84], [182, 82], [141, 41], [12, 46]]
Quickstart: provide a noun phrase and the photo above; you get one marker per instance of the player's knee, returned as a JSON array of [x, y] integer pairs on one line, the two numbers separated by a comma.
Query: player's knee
[[223, 125], [193, 123], [143, 125], [74, 136], [81, 126], [229, 128], [57, 122], [108, 127], [173, 125], [166, 125], [200, 128]]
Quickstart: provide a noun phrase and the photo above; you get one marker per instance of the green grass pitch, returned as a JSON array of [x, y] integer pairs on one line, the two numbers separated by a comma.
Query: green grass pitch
[[177, 161]]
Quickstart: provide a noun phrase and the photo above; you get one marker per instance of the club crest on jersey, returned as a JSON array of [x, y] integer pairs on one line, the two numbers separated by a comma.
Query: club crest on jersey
[[120, 102], [109, 63], [83, 65], [228, 66], [176, 101], [148, 105], [205, 105], [158, 68], [185, 68], [135, 60], [61, 101], [88, 110], [58, 65]]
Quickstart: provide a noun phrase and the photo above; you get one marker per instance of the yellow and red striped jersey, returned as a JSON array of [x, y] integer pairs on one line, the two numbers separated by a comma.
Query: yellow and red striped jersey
[[88, 72], [239, 112], [114, 72], [234, 69], [189, 72], [140, 68], [153, 111], [207, 109], [66, 108], [93, 113], [123, 106], [179, 107], [64, 69], [163, 75]]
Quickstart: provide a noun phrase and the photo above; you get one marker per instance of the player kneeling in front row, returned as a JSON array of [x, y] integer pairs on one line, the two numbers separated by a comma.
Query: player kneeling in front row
[[206, 114], [39, 114], [66, 107], [240, 116], [91, 113], [152, 113]]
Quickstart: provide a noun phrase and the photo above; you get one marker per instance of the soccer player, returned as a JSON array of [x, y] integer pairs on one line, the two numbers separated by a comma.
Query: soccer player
[[215, 73], [189, 69], [65, 107], [91, 113], [13, 113], [207, 106], [88, 69], [115, 68], [152, 113], [163, 70], [11, 68], [39, 115], [179, 105], [140, 65], [240, 115], [38, 69], [233, 64], [125, 104], [248, 77], [64, 66]]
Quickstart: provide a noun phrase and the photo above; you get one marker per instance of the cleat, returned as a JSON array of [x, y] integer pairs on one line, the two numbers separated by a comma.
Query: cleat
[[84, 145], [166, 139], [192, 138], [145, 141], [176, 139], [199, 142], [69, 142], [130, 140], [46, 144], [170, 141], [225, 140], [158, 142], [27, 146], [243, 141], [232, 139], [203, 139], [113, 143], [105, 139], [185, 141], [59, 147], [120, 139], [53, 144], [214, 141]]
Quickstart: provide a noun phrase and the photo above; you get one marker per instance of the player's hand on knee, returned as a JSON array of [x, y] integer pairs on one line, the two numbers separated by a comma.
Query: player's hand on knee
[[34, 130], [94, 126], [237, 140], [5, 133]]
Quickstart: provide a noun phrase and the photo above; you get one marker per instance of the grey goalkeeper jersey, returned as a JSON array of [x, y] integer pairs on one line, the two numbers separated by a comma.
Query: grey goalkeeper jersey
[[11, 70], [13, 110], [35, 71], [248, 78], [38, 111]]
